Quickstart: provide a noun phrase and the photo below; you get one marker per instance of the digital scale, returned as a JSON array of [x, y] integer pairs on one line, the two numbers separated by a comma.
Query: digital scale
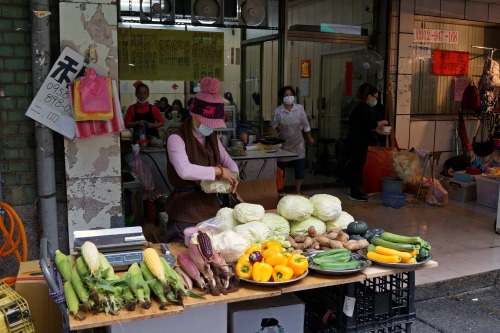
[[121, 246]]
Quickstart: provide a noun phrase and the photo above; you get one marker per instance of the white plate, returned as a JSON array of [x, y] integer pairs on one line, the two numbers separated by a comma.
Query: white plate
[[252, 147], [274, 284]]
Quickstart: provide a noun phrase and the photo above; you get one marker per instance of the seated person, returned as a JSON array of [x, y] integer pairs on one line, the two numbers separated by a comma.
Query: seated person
[[182, 113]]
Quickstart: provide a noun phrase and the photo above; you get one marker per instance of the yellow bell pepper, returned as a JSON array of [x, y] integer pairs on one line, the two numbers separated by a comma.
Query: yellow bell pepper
[[275, 258], [244, 257], [244, 268], [272, 246], [282, 273], [287, 255], [253, 247], [261, 272], [298, 263]]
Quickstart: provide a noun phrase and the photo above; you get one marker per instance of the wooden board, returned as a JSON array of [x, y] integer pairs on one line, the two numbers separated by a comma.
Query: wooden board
[[124, 316], [316, 280]]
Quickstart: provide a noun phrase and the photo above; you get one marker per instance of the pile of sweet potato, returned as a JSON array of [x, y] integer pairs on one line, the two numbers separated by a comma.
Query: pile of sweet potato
[[335, 239]]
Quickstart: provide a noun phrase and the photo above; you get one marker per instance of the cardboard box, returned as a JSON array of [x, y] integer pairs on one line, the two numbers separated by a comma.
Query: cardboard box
[[487, 191], [259, 191], [284, 313], [31, 286], [207, 319]]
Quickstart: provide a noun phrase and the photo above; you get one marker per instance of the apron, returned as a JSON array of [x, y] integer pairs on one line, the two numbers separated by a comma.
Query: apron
[[292, 133]]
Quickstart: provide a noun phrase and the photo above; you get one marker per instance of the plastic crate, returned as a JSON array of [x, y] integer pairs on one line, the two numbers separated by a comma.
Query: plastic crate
[[394, 199], [15, 314], [382, 304]]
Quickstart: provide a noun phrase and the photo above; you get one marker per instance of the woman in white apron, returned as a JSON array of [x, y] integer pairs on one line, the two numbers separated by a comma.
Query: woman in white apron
[[290, 122]]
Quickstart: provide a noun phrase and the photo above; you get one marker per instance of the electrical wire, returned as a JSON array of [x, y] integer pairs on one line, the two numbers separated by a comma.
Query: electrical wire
[[11, 246]]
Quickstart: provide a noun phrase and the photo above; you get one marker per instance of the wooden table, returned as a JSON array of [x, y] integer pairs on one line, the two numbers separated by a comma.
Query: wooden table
[[246, 292]]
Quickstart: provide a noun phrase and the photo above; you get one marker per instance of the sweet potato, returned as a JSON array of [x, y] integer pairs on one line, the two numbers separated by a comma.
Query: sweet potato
[[311, 231], [308, 242], [325, 248], [355, 245], [335, 244], [324, 241], [342, 237], [332, 234], [315, 245], [300, 239]]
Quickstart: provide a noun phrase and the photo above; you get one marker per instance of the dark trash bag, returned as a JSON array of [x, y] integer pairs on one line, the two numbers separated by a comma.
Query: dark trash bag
[[483, 148], [470, 98]]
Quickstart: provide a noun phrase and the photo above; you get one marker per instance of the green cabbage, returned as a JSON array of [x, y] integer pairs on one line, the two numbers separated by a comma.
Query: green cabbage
[[226, 219], [326, 207], [295, 207], [340, 222], [230, 245], [256, 232], [299, 228], [277, 224], [247, 212]]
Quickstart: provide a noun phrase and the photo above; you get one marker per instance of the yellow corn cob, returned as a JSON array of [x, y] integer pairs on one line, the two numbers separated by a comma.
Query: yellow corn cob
[[91, 256], [152, 260]]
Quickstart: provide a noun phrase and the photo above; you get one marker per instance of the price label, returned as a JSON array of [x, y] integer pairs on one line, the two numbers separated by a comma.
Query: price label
[[349, 303], [435, 36]]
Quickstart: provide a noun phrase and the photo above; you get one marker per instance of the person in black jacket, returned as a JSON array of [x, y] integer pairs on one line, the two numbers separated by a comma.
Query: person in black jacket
[[362, 121]]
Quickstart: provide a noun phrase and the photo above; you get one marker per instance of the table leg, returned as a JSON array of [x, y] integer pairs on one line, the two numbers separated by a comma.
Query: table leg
[[242, 165], [262, 168]]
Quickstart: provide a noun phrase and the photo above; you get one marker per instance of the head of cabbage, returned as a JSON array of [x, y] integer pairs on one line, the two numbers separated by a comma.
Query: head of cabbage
[[277, 224], [255, 231], [295, 207], [230, 245], [340, 222], [226, 220], [326, 207], [299, 228], [247, 212]]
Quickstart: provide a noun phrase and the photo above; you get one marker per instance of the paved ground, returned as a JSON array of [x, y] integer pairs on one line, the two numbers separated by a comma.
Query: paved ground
[[468, 304]]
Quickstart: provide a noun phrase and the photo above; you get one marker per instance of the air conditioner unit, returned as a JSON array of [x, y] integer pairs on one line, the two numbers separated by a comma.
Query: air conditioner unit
[[157, 11], [207, 12], [253, 13]]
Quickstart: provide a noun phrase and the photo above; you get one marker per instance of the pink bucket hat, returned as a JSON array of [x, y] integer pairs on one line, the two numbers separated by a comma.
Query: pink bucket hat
[[208, 104]]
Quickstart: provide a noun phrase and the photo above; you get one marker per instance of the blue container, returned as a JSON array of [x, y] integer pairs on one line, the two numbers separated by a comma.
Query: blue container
[[394, 199]]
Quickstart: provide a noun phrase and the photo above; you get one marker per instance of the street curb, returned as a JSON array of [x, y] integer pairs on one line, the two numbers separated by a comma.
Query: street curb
[[457, 286]]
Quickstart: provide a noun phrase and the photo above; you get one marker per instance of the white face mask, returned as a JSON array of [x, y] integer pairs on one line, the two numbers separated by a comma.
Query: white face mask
[[288, 100], [141, 102], [203, 130]]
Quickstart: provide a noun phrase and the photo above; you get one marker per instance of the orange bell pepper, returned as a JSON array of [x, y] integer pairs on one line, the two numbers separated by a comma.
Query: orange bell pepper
[[282, 273], [275, 258], [269, 245], [244, 268], [261, 271], [253, 247], [298, 263]]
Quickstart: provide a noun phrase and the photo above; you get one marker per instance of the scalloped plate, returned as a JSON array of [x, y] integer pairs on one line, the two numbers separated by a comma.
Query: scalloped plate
[[362, 253], [315, 268], [274, 284]]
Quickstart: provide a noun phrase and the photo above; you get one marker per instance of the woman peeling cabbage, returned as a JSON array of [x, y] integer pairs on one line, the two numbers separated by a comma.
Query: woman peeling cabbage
[[195, 154]]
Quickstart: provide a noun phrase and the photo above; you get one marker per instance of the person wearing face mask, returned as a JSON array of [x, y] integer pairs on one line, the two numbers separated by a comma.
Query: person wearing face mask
[[143, 117], [290, 122], [362, 121], [194, 153]]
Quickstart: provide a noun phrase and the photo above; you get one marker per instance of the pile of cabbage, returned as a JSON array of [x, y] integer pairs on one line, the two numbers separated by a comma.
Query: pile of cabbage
[[248, 223]]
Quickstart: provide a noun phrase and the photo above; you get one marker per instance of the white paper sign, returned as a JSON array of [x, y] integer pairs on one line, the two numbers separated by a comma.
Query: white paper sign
[[52, 104], [349, 303], [422, 51]]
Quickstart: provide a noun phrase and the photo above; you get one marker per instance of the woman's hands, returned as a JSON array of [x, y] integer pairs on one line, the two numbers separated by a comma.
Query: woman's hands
[[226, 174]]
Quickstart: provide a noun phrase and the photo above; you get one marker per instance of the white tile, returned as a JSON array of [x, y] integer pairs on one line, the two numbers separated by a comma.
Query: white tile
[[402, 131], [407, 9], [445, 131], [404, 92]]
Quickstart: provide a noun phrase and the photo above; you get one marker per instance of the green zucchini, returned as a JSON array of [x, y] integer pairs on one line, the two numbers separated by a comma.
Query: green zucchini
[[389, 236], [395, 246]]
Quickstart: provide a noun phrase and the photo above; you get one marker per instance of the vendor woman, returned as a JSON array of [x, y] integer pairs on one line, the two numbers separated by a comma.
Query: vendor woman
[[194, 153]]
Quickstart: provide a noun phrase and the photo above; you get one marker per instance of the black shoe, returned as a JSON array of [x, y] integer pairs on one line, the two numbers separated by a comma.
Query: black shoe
[[357, 197]]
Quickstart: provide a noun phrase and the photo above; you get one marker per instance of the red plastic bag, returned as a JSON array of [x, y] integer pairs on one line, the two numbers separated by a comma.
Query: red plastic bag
[[436, 195], [95, 93]]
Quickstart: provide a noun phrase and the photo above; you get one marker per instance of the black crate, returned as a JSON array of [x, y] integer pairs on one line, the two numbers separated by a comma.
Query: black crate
[[382, 304]]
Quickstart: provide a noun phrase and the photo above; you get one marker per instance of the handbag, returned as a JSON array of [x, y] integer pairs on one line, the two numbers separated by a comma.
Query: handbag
[[483, 148]]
